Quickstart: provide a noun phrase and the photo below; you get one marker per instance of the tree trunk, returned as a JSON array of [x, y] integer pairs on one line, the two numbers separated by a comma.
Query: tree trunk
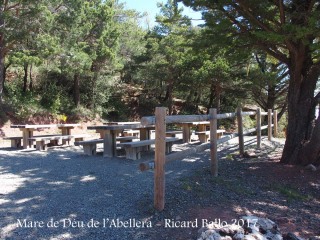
[[25, 77], [217, 103], [169, 96], [76, 89], [2, 55], [302, 143], [31, 79], [1, 73]]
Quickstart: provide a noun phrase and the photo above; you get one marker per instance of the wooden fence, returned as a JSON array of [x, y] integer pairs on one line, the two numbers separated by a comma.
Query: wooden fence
[[161, 119]]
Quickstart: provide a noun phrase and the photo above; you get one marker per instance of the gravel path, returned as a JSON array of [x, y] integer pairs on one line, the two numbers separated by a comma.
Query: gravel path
[[62, 194]]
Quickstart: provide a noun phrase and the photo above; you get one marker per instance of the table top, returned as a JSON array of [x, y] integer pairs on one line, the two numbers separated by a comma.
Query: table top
[[66, 125], [196, 123], [119, 127], [120, 123]]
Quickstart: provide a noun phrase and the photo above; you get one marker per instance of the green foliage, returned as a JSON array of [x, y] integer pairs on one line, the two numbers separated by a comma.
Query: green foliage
[[291, 193], [51, 98]]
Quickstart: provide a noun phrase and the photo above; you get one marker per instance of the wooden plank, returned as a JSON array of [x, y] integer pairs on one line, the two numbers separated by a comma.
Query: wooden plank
[[146, 142], [150, 120], [89, 142], [109, 143], [56, 137], [258, 128], [186, 132], [240, 131], [269, 124], [160, 158], [213, 142], [126, 138], [26, 134], [275, 123]]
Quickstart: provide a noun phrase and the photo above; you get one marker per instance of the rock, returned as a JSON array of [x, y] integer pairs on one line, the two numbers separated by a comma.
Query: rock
[[273, 236], [311, 167], [249, 154], [291, 236], [249, 228], [230, 230], [251, 237], [209, 235], [238, 236], [266, 224]]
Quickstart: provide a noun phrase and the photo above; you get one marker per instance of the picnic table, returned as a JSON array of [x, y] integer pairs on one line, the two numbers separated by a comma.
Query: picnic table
[[28, 129], [186, 129], [109, 134], [202, 131]]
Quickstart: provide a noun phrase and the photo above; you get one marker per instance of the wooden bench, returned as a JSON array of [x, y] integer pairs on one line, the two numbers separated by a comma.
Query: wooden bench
[[42, 141], [15, 141], [173, 133], [126, 139], [133, 149], [131, 132], [90, 146], [204, 135]]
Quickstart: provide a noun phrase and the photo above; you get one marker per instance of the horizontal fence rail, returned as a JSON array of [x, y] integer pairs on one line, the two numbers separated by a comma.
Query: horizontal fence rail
[[161, 119]]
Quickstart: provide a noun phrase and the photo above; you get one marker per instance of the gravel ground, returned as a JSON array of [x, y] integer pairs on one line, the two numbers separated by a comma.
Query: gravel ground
[[62, 194]]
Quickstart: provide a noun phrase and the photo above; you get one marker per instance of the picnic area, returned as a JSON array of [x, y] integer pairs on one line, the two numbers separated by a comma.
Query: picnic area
[[147, 120]]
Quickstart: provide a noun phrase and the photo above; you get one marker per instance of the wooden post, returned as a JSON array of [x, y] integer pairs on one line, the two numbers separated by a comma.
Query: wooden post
[[213, 141], [275, 123], [240, 131], [160, 158], [269, 124], [258, 128]]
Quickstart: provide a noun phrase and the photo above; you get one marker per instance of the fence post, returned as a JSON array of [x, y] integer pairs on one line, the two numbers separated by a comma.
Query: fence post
[[275, 123], [269, 124], [258, 128], [213, 141], [240, 131], [160, 158]]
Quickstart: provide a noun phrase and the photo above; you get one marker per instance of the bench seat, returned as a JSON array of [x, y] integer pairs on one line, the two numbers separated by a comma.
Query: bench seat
[[90, 146], [173, 133], [204, 135], [126, 138], [42, 141], [131, 132], [15, 141], [133, 149]]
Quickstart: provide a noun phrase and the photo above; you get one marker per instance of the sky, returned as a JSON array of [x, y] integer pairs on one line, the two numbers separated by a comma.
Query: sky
[[150, 6]]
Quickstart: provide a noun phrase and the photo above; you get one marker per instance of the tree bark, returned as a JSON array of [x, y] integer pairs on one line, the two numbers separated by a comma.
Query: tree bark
[[31, 79], [25, 77], [302, 143], [76, 89], [2, 55]]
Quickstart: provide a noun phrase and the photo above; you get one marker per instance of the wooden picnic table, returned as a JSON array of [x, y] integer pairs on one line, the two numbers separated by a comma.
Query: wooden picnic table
[[120, 123], [186, 129], [28, 129], [110, 132]]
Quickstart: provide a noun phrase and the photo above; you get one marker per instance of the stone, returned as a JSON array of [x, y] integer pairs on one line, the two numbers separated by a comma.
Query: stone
[[254, 228], [250, 237], [238, 236], [311, 167], [230, 230], [291, 236], [249, 154]]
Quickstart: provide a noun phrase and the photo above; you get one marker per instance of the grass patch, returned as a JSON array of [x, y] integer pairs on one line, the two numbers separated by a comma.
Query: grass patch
[[291, 194]]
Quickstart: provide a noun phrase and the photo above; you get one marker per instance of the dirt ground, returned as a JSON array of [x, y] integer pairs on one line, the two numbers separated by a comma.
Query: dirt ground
[[258, 185]]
